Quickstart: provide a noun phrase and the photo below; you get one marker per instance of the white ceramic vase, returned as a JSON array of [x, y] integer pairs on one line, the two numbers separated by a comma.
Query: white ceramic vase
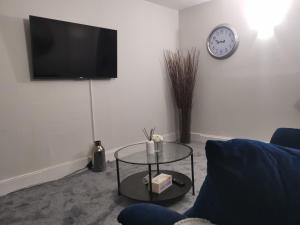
[[150, 147]]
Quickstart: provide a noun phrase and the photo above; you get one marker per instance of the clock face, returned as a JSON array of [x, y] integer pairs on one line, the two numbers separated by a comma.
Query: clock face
[[222, 41]]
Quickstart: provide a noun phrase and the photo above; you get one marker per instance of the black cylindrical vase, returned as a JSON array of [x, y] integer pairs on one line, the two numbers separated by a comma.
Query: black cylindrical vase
[[185, 125]]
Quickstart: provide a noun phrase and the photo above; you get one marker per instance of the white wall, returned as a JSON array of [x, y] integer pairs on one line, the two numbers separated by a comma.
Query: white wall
[[258, 88], [45, 123]]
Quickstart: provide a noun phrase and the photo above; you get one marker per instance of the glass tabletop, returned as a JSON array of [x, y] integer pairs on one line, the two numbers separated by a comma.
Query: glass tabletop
[[170, 152]]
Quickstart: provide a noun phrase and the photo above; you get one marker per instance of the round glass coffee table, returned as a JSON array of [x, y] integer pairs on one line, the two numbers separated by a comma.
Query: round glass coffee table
[[133, 186]]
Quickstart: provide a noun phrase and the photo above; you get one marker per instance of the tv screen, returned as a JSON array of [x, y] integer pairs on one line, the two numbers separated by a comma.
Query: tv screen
[[64, 50]]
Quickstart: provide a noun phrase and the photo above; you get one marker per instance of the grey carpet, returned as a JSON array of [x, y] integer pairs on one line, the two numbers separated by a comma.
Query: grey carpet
[[86, 198]]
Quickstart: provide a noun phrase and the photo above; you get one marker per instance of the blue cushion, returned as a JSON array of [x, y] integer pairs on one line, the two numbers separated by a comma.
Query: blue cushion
[[256, 183], [207, 204], [148, 214]]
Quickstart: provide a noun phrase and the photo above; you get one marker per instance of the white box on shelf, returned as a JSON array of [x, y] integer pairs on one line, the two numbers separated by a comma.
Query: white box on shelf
[[161, 183]]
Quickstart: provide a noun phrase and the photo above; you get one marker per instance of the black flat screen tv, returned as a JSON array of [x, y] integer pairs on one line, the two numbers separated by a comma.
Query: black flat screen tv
[[64, 50]]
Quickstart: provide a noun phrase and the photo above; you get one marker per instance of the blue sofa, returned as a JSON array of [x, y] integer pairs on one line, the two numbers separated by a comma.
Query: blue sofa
[[247, 182]]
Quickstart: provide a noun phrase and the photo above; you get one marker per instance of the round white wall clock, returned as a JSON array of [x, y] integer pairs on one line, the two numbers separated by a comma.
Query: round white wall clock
[[222, 41]]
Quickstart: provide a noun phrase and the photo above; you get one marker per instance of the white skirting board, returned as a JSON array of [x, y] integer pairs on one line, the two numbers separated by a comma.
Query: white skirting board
[[40, 176], [203, 138], [60, 170]]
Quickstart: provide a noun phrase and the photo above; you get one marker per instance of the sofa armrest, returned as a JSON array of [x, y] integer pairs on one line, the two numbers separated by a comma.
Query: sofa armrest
[[148, 214], [286, 137]]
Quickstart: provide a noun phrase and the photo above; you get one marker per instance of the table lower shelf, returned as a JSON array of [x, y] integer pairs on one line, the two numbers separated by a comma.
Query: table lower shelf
[[134, 188]]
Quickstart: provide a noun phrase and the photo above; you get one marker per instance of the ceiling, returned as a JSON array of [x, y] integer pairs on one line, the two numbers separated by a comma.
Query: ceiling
[[178, 4]]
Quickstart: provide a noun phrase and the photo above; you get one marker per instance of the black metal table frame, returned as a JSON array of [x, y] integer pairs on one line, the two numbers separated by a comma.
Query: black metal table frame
[[157, 168]]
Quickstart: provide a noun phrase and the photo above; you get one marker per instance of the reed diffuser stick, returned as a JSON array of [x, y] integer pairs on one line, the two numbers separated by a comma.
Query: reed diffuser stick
[[150, 135]]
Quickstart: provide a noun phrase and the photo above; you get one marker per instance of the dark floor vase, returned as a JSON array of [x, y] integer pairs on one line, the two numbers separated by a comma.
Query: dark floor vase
[[182, 70], [185, 125]]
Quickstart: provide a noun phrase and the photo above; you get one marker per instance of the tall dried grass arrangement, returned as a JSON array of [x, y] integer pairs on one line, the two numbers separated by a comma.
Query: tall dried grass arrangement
[[182, 70]]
